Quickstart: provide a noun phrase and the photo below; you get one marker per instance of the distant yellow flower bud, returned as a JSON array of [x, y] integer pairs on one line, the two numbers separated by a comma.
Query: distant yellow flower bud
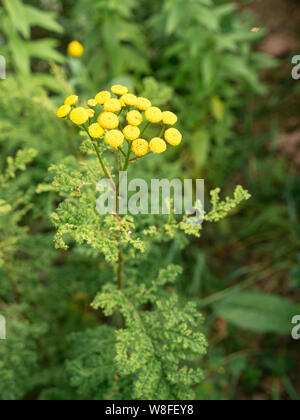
[[75, 49], [96, 131], [79, 116], [129, 99], [131, 132], [112, 105], [108, 120], [119, 90], [71, 100], [169, 118], [154, 114], [158, 145], [140, 147], [102, 97], [92, 103], [63, 111], [143, 104], [114, 138], [134, 118], [173, 136]]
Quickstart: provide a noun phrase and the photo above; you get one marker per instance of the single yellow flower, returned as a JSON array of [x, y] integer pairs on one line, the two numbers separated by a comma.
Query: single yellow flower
[[169, 118], [79, 116], [134, 118], [129, 99], [154, 114], [112, 105], [75, 49], [158, 145], [63, 111], [173, 136], [114, 138], [119, 90], [108, 120], [92, 103], [102, 97], [71, 100], [91, 113], [143, 104], [131, 132], [96, 131], [140, 147]]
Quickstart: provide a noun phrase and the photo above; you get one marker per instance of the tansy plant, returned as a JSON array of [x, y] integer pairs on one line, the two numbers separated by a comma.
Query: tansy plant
[[123, 117], [151, 345]]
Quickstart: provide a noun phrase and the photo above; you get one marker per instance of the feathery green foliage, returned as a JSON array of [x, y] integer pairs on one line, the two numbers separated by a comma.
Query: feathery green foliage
[[160, 344], [17, 21]]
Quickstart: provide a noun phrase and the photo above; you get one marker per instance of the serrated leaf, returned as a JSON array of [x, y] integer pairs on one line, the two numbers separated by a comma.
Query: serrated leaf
[[16, 12], [44, 49], [259, 312], [46, 20]]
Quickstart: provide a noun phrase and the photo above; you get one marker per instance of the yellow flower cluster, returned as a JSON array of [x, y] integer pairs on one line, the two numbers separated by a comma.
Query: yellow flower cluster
[[115, 127]]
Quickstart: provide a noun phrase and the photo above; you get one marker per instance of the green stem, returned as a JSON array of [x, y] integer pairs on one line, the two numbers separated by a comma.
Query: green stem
[[145, 128], [136, 159], [127, 157], [106, 172], [162, 131], [120, 160], [122, 151]]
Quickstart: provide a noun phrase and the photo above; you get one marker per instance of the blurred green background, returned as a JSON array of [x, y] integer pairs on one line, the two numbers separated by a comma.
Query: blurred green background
[[225, 68]]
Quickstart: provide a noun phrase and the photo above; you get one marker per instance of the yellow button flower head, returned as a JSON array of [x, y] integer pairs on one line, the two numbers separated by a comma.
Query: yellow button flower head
[[173, 136], [102, 97], [92, 103], [131, 132], [79, 116], [71, 100], [114, 138], [158, 145], [134, 118], [140, 147], [112, 105], [143, 104], [91, 113], [119, 90], [63, 111], [129, 99], [75, 49], [169, 118], [96, 131], [154, 114], [108, 120]]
